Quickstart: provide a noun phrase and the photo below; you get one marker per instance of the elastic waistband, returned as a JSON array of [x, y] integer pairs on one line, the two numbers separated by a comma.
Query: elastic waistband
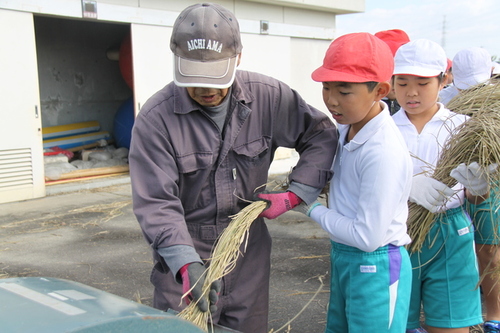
[[206, 232], [451, 212], [355, 251]]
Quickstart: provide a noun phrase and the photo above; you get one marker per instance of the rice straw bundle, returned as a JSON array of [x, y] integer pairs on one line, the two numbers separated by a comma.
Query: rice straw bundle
[[477, 140], [475, 98], [224, 256]]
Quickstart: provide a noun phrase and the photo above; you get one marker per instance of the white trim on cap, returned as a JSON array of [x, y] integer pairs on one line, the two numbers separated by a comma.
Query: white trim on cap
[[204, 85], [222, 75]]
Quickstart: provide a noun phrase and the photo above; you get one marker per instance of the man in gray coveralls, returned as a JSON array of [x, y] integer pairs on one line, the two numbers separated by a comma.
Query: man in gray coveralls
[[200, 147]]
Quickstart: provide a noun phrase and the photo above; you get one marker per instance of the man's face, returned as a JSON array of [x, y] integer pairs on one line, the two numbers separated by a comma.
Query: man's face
[[207, 96]]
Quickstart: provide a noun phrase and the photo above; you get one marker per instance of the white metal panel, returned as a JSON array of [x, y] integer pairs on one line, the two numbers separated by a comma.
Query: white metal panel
[[291, 60], [311, 18], [253, 11], [306, 56], [269, 55], [338, 6], [71, 8], [179, 5], [116, 13], [249, 19], [21, 152], [287, 30], [152, 60]]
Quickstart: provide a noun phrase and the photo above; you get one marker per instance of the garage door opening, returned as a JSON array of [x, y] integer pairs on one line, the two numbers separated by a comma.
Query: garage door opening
[[86, 97]]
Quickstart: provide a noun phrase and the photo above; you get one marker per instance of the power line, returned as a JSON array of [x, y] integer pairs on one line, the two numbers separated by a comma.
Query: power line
[[443, 33]]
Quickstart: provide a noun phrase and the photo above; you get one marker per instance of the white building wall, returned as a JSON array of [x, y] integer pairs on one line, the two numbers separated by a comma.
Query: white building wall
[[307, 28], [299, 32]]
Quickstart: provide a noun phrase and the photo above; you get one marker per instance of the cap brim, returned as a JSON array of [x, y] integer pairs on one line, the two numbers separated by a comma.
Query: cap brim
[[470, 81], [416, 71], [323, 74], [208, 74]]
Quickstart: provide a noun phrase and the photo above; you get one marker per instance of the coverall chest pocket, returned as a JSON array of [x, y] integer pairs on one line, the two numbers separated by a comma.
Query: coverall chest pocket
[[195, 181], [253, 153]]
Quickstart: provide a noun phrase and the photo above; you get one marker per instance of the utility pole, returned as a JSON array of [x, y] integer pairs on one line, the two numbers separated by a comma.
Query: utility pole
[[443, 33]]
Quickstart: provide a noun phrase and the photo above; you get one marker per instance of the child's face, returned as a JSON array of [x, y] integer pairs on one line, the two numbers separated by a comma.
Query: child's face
[[417, 95], [350, 103]]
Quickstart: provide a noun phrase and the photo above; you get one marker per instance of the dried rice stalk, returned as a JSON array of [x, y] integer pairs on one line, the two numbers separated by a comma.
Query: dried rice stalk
[[224, 257], [474, 99], [477, 140]]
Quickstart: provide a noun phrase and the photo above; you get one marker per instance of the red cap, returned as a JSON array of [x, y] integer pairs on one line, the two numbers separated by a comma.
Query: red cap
[[394, 38], [449, 63], [357, 57]]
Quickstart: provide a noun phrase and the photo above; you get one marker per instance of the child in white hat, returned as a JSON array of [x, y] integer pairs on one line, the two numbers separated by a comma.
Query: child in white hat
[[367, 207], [445, 272], [471, 66], [474, 66]]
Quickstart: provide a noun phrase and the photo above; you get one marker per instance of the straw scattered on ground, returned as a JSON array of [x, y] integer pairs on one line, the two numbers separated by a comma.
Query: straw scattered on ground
[[287, 325], [101, 213]]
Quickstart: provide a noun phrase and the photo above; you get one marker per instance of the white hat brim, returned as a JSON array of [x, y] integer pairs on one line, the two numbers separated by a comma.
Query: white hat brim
[[416, 71], [206, 74]]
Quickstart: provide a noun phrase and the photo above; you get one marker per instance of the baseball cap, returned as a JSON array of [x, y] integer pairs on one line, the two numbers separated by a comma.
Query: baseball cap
[[420, 57], [357, 57], [394, 38], [206, 43], [471, 66]]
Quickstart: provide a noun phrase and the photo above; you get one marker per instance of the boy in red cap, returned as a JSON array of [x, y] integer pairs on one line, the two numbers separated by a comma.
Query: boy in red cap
[[394, 38], [449, 72], [367, 204]]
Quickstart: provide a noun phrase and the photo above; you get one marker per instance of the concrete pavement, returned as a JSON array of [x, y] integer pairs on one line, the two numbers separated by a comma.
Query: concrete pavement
[[87, 233]]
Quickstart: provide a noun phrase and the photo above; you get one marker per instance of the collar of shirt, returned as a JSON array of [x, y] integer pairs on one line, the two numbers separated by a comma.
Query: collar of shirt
[[401, 118], [366, 132]]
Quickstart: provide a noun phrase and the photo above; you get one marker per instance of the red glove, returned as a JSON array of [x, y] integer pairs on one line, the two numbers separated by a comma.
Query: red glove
[[193, 277], [278, 203]]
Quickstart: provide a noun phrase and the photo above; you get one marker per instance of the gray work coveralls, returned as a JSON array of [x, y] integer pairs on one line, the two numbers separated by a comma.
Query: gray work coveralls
[[188, 179]]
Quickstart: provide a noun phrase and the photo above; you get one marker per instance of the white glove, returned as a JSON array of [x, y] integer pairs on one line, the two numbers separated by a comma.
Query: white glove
[[429, 193], [474, 177], [305, 208]]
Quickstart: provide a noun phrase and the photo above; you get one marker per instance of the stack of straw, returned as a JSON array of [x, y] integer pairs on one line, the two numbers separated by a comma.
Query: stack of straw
[[477, 140], [224, 257]]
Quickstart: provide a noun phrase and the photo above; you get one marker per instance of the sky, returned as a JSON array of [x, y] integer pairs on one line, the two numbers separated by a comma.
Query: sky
[[454, 24]]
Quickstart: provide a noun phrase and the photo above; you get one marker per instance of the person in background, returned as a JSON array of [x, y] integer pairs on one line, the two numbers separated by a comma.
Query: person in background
[[200, 148], [445, 274], [449, 72], [371, 270], [471, 66], [475, 65], [394, 38], [486, 219], [495, 72]]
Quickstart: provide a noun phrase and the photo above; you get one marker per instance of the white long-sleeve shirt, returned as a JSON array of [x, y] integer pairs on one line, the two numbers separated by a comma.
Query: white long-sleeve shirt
[[447, 94], [425, 147], [368, 201]]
